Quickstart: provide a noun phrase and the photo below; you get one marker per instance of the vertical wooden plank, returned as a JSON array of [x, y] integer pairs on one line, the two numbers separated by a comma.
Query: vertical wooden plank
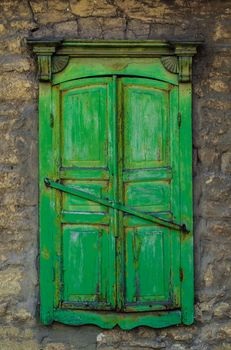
[[55, 127], [175, 236], [114, 132], [113, 193], [120, 240], [117, 169], [47, 205], [187, 271]]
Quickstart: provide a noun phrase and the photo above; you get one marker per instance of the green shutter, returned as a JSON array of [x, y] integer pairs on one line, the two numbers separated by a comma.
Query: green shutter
[[115, 183], [149, 178], [87, 159]]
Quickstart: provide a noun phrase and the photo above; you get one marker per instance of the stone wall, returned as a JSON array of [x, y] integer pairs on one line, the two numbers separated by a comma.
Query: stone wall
[[114, 19]]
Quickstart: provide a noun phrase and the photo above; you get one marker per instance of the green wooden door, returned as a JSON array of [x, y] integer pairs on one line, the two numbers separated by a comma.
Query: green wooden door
[[118, 141]]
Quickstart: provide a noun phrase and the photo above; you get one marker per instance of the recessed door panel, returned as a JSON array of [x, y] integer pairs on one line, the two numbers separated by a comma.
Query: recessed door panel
[[145, 124], [76, 204], [86, 270], [153, 196], [85, 126], [148, 268]]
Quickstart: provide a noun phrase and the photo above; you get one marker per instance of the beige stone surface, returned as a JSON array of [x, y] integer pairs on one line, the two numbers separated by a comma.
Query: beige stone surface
[[22, 345], [20, 328], [10, 282], [86, 8]]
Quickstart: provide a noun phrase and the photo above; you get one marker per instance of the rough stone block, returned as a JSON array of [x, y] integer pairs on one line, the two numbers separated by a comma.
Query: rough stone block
[[68, 29], [53, 16], [38, 6], [19, 345], [222, 310], [14, 63], [226, 162], [10, 279], [137, 30], [146, 11], [114, 28], [86, 8], [60, 5], [90, 28], [55, 346], [209, 158], [222, 32], [15, 87], [15, 9], [13, 44]]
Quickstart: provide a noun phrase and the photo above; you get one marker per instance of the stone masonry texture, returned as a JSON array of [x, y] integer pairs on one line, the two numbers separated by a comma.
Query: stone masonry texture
[[208, 20]]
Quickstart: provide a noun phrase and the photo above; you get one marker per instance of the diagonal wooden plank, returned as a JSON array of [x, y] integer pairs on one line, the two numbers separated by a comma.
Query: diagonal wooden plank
[[114, 205]]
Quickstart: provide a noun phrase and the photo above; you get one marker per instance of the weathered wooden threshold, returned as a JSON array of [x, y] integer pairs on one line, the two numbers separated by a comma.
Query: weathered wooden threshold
[[125, 321]]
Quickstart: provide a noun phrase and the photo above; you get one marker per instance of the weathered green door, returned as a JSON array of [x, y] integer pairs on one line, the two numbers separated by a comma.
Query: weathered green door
[[116, 241], [115, 135]]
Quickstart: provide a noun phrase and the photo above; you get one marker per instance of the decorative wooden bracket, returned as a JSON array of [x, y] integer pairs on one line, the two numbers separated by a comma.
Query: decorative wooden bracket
[[48, 63], [181, 61], [170, 63], [44, 51], [185, 51], [59, 63]]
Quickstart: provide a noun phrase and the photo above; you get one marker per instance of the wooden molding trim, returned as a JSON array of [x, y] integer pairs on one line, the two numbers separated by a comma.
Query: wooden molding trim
[[53, 55]]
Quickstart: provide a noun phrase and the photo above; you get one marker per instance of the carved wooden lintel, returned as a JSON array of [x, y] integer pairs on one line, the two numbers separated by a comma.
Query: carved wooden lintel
[[53, 55]]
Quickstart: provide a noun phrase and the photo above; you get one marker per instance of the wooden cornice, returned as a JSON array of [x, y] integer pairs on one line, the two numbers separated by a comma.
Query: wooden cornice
[[53, 55]]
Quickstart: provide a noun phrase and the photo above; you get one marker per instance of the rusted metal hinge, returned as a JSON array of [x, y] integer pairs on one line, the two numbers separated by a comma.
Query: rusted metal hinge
[[181, 274], [179, 119], [51, 120], [53, 274], [115, 205]]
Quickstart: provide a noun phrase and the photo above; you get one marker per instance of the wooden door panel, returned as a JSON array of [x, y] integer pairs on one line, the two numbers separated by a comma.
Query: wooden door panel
[[86, 267], [85, 126], [148, 268], [148, 196], [145, 124], [75, 204]]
